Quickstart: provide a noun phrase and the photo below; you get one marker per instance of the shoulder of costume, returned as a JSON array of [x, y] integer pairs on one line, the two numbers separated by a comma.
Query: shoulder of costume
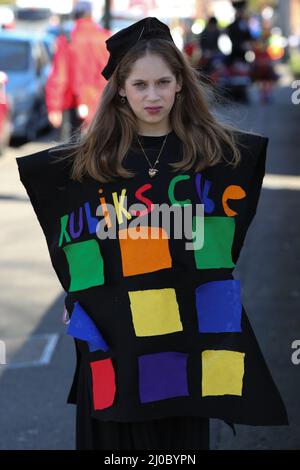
[[252, 146], [44, 165]]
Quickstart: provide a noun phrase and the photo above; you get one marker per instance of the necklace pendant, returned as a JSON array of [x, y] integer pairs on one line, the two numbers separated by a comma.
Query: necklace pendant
[[152, 172]]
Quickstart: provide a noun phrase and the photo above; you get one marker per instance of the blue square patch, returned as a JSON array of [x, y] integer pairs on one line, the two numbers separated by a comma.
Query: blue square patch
[[219, 307]]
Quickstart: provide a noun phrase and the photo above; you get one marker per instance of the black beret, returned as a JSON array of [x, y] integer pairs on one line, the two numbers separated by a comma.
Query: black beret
[[121, 42]]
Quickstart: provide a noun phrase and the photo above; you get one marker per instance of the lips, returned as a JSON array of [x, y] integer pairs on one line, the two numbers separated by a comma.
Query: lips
[[154, 108]]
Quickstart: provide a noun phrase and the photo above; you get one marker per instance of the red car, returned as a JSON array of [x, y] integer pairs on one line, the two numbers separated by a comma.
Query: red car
[[5, 124]]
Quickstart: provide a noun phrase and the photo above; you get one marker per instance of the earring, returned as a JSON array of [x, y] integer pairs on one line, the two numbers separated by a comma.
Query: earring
[[123, 100], [178, 96]]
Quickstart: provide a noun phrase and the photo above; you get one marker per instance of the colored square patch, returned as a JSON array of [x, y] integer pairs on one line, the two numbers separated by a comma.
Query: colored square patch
[[150, 252], [85, 265], [82, 327], [155, 312], [104, 383], [218, 239], [219, 306], [163, 375], [222, 372]]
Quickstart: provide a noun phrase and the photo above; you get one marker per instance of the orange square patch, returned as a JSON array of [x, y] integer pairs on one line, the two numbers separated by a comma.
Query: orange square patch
[[144, 250]]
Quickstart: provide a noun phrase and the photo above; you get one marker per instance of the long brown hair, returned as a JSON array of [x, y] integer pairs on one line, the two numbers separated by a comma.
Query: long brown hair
[[99, 151]]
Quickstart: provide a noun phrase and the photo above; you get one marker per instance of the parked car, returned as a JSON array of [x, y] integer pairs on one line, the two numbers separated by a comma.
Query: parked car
[[5, 124], [25, 60], [43, 9], [33, 9]]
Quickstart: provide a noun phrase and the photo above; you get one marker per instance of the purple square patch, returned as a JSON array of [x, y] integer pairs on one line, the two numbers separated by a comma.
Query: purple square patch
[[163, 375]]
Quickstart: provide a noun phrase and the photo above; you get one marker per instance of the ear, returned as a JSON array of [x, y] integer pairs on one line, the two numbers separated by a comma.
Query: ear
[[122, 92]]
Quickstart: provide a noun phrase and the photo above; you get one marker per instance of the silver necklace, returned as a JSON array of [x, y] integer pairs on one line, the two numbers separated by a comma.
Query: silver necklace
[[152, 170]]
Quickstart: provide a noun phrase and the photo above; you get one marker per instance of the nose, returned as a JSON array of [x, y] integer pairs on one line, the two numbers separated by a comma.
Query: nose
[[152, 93]]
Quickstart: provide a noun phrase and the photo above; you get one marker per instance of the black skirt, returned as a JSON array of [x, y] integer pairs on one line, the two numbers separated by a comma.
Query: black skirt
[[181, 433], [177, 433]]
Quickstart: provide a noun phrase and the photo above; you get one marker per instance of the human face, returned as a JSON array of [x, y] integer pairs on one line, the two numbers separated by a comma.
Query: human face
[[151, 84]]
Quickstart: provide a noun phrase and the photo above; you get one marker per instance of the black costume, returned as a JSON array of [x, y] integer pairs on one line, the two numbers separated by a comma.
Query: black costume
[[159, 326], [160, 330]]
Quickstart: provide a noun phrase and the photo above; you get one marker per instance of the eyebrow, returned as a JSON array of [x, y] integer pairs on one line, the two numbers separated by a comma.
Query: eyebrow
[[141, 80]]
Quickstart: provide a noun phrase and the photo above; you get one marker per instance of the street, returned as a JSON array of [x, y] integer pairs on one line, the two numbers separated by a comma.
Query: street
[[34, 383]]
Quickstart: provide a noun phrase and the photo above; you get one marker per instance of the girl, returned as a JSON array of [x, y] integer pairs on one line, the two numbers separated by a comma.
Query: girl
[[162, 339]]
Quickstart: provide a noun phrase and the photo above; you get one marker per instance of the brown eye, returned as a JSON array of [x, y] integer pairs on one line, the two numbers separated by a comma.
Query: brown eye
[[142, 84]]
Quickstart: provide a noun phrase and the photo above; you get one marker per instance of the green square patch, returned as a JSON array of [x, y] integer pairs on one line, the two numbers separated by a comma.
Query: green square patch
[[218, 239], [86, 265]]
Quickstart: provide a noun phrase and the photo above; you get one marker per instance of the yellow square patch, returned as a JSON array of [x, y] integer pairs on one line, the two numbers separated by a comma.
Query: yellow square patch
[[155, 312], [222, 372]]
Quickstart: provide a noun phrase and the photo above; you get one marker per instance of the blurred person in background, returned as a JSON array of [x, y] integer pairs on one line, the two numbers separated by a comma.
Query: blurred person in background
[[75, 83], [208, 43], [60, 96], [209, 37], [263, 73], [239, 33], [236, 77]]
